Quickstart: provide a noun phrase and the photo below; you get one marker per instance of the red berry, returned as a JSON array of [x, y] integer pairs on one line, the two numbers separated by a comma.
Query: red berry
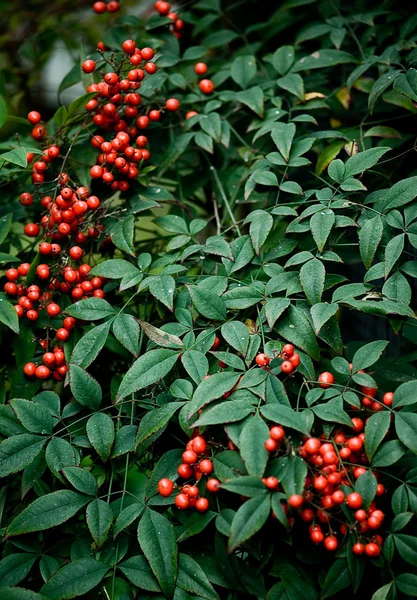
[[270, 445], [185, 471], [206, 86], [34, 117], [42, 372], [216, 343], [172, 104], [262, 360], [331, 543], [189, 457], [307, 515], [326, 379], [154, 115], [277, 433], [388, 398], [150, 68], [206, 466], [113, 7], [213, 485], [129, 46], [62, 334], [202, 505], [199, 444], [182, 501], [372, 550], [338, 497], [165, 487], [88, 66], [295, 501], [288, 349], [76, 253], [200, 68], [271, 483], [287, 366], [312, 446], [191, 113], [147, 53], [99, 7], [53, 309], [354, 500], [29, 369], [31, 230]]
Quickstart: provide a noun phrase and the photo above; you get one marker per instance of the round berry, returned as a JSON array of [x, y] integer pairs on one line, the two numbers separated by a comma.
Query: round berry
[[172, 104], [354, 500], [206, 86], [326, 379], [88, 66], [182, 501], [200, 68], [202, 505], [262, 360], [165, 487]]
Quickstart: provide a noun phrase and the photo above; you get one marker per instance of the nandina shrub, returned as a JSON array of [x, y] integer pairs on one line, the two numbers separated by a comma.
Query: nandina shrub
[[209, 266]]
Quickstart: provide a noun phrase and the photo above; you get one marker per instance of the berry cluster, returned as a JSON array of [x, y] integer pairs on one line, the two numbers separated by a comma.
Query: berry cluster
[[192, 467], [333, 466], [53, 364], [101, 7], [164, 9]]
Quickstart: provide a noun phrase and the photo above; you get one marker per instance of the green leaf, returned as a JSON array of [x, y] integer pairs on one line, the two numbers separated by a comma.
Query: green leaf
[[17, 156], [8, 315], [261, 225], [33, 416], [194, 524], [368, 355], [274, 309], [75, 579], [147, 370], [370, 236], [381, 84], [293, 83], [332, 411], [253, 98], [400, 193], [126, 331], [208, 303], [265, 177], [312, 276], [406, 546], [163, 288], [375, 431], [388, 454], [280, 414], [405, 394], [122, 234], [283, 59], [283, 135], [405, 426], [5, 224], [226, 412], [47, 511], [337, 579], [321, 224], [212, 388], [175, 149], [407, 584], [220, 38], [243, 70], [406, 84], [249, 486], [127, 516], [295, 327], [252, 445], [383, 592], [15, 567], [115, 269], [85, 388], [91, 309], [91, 344], [155, 420], [241, 297], [18, 451], [100, 432], [366, 486], [196, 364], [60, 454], [192, 578], [138, 571], [81, 479], [236, 334], [363, 161], [212, 125], [205, 142], [321, 59], [157, 540], [321, 313], [393, 251], [248, 520], [99, 518], [383, 132]]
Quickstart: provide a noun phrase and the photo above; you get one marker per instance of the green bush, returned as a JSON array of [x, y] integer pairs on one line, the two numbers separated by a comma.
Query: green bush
[[208, 297]]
